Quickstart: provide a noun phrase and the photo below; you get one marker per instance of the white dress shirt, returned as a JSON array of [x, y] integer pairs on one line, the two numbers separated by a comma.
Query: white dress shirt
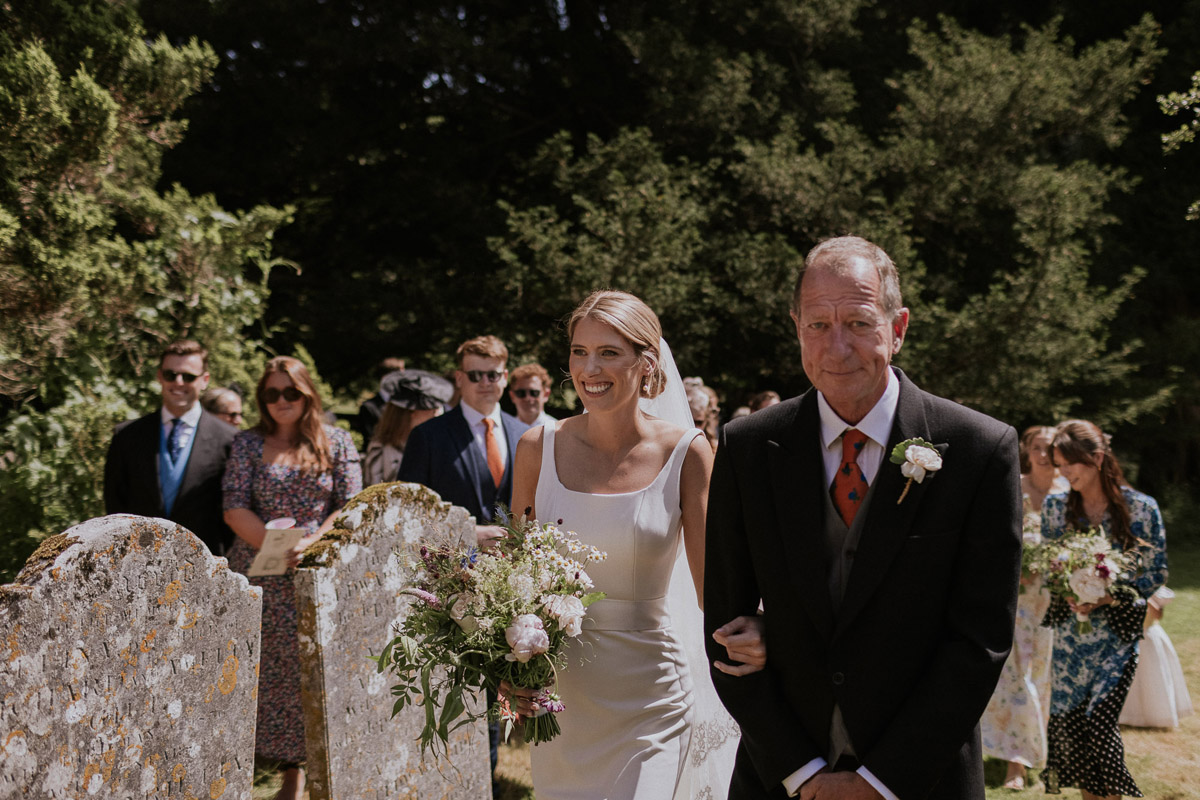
[[877, 425], [188, 423], [479, 431]]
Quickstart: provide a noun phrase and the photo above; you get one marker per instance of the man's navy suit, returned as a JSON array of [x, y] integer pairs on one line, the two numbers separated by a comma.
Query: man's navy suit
[[913, 654], [442, 454], [132, 485]]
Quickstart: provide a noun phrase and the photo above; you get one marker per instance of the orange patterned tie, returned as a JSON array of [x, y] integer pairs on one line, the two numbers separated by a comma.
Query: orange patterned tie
[[849, 485], [495, 464]]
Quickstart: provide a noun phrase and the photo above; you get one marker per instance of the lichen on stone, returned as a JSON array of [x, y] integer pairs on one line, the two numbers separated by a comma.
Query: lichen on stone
[[49, 550]]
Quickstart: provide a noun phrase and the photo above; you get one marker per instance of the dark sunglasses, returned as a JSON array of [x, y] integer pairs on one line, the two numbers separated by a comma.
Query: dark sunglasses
[[476, 375], [169, 375], [523, 393], [272, 395]]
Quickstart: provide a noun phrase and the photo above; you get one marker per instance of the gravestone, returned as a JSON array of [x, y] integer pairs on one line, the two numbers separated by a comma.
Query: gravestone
[[128, 667], [348, 598]]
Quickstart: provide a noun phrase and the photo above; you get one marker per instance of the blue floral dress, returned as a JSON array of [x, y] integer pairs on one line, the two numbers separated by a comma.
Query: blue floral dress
[[272, 491], [1091, 672]]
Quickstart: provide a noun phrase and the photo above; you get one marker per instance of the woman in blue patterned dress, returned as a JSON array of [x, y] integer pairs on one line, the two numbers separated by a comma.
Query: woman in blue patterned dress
[[1092, 671], [289, 465]]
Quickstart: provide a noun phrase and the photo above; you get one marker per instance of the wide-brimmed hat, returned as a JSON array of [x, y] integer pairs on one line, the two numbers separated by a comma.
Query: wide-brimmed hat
[[415, 389]]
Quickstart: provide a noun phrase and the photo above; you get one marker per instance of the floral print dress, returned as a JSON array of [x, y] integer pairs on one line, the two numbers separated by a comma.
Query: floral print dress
[[272, 491], [1091, 672], [1013, 727]]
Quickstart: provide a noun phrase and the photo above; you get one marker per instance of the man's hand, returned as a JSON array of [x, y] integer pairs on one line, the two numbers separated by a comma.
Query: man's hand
[[838, 786], [486, 536], [744, 641]]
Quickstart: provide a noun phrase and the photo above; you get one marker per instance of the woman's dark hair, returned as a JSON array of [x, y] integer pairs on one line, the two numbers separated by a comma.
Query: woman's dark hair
[[313, 445], [1078, 441]]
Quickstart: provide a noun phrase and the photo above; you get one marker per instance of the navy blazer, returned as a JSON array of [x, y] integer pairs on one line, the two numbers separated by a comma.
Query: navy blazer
[[442, 455], [915, 651], [131, 477]]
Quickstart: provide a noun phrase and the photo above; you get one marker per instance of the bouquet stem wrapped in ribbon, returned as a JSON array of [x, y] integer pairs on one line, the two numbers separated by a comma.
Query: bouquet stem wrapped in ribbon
[[1081, 567], [483, 617]]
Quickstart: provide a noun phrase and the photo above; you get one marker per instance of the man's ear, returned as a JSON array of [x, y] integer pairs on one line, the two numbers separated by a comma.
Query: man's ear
[[899, 329]]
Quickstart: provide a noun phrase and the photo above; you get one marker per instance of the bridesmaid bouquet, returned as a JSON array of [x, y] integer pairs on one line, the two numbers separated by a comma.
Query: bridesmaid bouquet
[[483, 617], [1079, 566]]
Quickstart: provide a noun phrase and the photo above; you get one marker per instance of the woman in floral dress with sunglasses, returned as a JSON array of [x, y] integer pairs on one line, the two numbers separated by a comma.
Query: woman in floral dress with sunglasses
[[289, 465]]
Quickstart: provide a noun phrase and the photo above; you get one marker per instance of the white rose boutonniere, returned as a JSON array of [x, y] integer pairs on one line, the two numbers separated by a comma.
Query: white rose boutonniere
[[917, 459]]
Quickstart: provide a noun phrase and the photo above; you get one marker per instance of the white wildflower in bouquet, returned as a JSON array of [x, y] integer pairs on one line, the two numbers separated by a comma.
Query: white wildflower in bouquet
[[1081, 567], [483, 617]]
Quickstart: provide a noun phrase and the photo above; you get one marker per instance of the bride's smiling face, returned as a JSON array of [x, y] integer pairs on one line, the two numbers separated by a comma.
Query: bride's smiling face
[[605, 367]]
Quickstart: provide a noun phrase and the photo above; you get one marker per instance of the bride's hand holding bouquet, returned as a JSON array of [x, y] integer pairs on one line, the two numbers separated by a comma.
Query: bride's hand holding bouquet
[[487, 619]]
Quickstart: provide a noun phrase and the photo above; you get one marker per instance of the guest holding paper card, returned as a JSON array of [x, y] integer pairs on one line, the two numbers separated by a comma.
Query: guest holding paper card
[[289, 465]]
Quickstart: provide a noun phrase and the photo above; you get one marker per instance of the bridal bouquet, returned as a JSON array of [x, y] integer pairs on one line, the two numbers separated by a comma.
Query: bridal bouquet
[[483, 617], [1079, 566]]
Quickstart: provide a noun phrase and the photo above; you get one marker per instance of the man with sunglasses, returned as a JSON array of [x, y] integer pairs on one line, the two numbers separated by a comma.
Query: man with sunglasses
[[466, 454], [169, 463], [529, 390]]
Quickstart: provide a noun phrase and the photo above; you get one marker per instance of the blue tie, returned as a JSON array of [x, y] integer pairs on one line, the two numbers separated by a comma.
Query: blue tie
[[175, 440]]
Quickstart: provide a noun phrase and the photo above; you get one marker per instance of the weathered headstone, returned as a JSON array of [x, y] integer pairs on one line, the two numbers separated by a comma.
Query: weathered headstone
[[128, 667], [348, 598]]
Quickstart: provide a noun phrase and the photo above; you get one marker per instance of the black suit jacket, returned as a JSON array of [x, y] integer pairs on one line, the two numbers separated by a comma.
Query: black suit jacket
[[442, 455], [131, 482], [927, 619]]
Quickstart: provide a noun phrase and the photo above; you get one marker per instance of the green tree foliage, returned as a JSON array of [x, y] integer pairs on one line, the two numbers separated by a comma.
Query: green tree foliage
[[478, 166], [978, 183], [98, 268], [1183, 103]]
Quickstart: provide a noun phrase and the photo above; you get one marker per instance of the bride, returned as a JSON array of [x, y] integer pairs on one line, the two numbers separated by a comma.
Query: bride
[[642, 720]]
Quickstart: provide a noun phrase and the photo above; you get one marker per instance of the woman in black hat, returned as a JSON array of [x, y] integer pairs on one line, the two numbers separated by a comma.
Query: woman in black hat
[[413, 396]]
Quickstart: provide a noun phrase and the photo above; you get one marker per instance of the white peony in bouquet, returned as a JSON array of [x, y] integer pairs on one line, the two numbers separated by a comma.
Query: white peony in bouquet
[[483, 617], [1079, 566]]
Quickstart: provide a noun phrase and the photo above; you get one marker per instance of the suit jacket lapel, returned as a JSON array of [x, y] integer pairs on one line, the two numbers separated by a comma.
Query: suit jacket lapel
[[888, 521], [203, 450], [146, 453], [512, 435], [474, 467], [798, 481]]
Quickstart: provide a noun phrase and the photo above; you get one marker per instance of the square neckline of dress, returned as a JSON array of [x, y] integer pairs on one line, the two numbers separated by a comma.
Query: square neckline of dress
[[553, 430]]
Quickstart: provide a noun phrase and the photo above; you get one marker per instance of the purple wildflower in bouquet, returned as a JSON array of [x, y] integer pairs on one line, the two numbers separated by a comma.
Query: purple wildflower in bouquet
[[483, 617], [1080, 567]]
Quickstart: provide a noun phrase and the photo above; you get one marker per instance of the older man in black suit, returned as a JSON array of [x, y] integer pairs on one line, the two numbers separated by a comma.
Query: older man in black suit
[[888, 588], [169, 463]]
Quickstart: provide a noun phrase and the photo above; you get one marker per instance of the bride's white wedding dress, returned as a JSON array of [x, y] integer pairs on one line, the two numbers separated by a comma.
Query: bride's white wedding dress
[[629, 730]]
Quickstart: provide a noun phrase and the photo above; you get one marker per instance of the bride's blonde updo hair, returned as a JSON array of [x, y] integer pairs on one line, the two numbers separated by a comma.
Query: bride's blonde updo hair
[[633, 319]]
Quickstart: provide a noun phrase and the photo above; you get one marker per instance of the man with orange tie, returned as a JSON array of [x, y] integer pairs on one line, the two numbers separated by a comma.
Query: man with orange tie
[[466, 454]]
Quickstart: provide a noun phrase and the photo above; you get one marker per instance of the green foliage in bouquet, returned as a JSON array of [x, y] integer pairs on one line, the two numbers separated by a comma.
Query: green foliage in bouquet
[[485, 617]]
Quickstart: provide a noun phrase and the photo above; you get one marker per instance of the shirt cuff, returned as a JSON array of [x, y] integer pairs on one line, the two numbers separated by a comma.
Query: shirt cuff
[[876, 784], [793, 782]]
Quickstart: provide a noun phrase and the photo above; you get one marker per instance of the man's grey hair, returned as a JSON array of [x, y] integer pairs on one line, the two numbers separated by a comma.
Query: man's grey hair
[[838, 254]]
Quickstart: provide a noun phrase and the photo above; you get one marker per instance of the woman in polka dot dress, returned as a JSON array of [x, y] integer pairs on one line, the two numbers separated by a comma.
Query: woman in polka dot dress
[[1092, 671], [289, 465]]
